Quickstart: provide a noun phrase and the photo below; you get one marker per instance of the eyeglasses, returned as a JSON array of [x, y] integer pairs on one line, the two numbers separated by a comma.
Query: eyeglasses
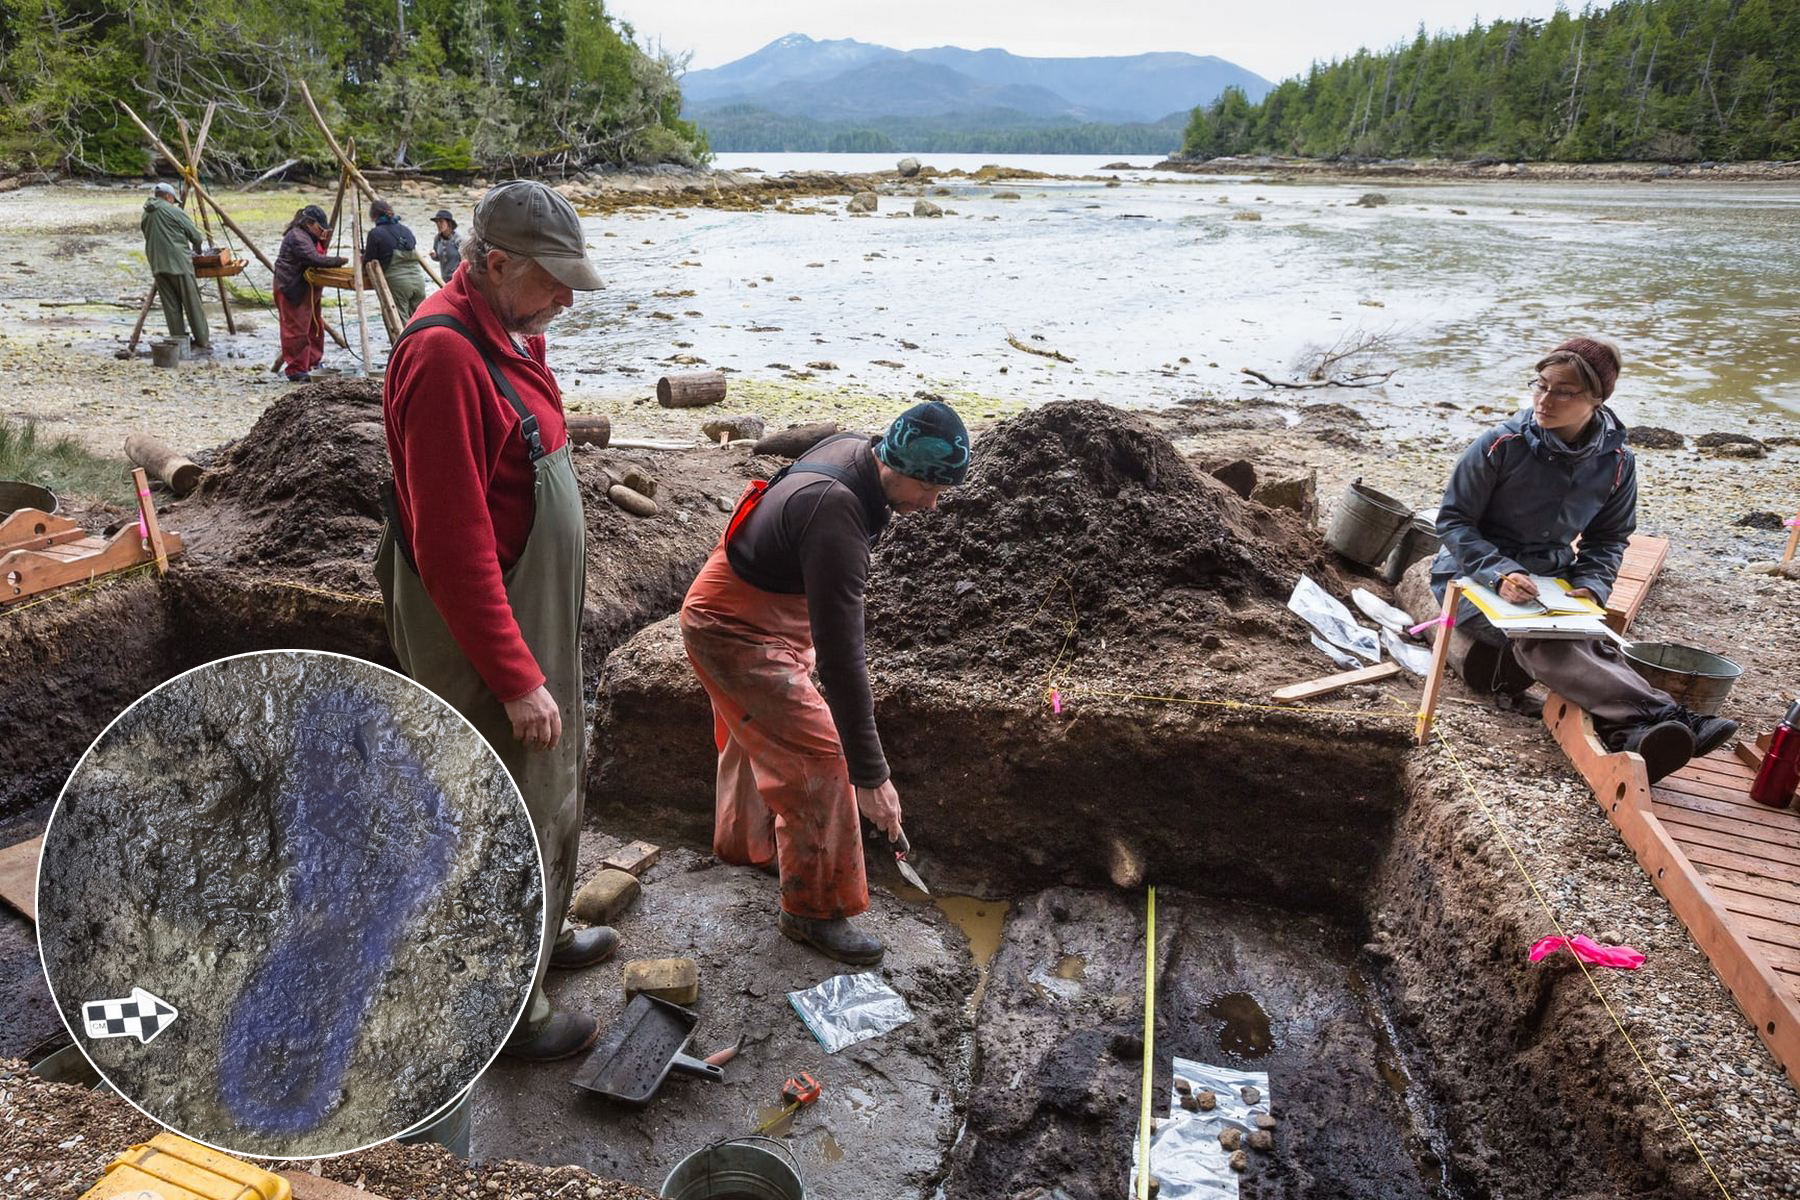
[[1541, 387]]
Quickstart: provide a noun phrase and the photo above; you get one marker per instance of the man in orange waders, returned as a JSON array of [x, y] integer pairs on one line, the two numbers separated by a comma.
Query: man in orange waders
[[783, 589]]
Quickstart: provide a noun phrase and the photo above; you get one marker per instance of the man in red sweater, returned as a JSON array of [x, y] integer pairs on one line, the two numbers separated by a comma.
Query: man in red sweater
[[483, 560]]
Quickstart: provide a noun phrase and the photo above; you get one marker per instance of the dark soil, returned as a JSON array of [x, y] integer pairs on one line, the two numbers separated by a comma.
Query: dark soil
[[1078, 513], [307, 481], [1061, 1045]]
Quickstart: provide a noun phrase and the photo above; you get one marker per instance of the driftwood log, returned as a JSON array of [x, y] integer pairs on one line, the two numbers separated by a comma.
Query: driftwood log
[[691, 390], [154, 455], [590, 431]]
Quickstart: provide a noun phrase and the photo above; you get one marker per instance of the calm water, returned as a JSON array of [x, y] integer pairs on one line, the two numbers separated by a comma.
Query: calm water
[[1696, 281]]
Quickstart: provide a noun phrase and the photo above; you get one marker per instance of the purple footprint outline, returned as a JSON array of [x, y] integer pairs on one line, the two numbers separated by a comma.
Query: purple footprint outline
[[361, 859]]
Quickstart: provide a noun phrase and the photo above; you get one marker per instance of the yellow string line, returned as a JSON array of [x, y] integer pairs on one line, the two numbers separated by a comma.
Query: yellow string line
[[1143, 1172], [1469, 783], [319, 591], [1240, 704], [80, 590]]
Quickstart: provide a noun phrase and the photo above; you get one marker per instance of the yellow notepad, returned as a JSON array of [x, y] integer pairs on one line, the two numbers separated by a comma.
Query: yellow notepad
[[1555, 614]]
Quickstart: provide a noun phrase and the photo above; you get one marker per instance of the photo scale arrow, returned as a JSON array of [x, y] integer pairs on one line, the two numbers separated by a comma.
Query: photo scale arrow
[[142, 1015]]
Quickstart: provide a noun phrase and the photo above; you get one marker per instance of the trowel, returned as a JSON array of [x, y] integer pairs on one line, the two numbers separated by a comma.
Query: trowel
[[902, 848]]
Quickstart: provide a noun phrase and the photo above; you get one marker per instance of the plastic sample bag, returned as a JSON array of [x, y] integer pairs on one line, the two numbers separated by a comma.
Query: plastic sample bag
[[1186, 1158], [1326, 614], [847, 1009]]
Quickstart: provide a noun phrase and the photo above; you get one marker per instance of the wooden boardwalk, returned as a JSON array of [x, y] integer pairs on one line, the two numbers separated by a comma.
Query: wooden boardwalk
[[1729, 867]]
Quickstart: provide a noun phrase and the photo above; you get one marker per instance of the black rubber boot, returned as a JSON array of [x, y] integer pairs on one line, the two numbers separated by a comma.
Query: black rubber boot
[[585, 948], [564, 1035], [1666, 746], [1709, 732], [836, 938]]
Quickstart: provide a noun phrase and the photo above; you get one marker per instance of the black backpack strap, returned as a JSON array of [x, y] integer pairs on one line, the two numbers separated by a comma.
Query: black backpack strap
[[528, 422], [840, 474]]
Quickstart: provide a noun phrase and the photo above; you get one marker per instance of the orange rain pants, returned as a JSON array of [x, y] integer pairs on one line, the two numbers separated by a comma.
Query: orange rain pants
[[784, 792]]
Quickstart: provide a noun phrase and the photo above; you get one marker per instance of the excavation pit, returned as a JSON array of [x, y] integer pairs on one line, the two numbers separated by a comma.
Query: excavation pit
[[1310, 868]]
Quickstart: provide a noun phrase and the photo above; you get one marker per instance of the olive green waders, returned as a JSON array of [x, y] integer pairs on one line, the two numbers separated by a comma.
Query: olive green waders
[[408, 282], [545, 589], [179, 294]]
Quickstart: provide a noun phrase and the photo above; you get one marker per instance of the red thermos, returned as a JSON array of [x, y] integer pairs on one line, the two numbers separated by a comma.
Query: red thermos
[[1780, 771]]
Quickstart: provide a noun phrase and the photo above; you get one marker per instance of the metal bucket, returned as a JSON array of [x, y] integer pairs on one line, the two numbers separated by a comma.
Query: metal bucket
[[15, 495], [1365, 523], [70, 1065], [1695, 678], [1419, 541], [450, 1128], [165, 353], [736, 1170]]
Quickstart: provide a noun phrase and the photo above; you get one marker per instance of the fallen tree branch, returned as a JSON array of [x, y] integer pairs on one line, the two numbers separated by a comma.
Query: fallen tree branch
[[1058, 355], [1351, 381], [270, 174]]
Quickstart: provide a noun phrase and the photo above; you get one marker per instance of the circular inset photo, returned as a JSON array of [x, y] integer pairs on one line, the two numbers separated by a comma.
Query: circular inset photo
[[290, 904]]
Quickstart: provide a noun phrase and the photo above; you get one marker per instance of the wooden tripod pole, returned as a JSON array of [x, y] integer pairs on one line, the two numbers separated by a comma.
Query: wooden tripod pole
[[194, 183], [356, 278], [344, 160], [194, 154], [337, 205]]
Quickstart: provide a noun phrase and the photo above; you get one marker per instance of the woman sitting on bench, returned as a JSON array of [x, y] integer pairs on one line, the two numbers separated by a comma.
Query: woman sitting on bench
[[1516, 501]]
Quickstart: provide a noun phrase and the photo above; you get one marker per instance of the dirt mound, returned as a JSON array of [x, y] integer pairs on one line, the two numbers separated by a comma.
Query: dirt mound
[[310, 474], [1080, 528]]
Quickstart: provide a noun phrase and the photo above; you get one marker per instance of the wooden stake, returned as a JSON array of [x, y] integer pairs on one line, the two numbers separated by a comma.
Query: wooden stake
[[1324, 686], [1440, 654], [147, 513], [356, 266], [1787, 556]]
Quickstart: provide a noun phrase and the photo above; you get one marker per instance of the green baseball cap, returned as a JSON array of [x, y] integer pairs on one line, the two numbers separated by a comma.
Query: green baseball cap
[[533, 220]]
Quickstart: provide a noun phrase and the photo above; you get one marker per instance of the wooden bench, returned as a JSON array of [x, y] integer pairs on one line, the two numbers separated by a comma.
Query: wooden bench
[[1643, 562]]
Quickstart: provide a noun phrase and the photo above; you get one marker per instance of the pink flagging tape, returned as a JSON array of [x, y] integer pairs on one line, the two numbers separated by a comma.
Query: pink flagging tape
[[1056, 702], [1625, 958], [1791, 522], [1447, 620]]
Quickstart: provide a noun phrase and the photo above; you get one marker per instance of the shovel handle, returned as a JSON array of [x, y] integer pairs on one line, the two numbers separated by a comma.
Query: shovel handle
[[689, 1065]]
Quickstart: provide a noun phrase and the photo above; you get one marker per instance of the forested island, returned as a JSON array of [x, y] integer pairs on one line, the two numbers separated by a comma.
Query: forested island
[[440, 85], [1643, 80]]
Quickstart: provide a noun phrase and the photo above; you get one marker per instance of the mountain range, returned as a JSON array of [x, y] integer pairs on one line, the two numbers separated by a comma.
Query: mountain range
[[813, 90]]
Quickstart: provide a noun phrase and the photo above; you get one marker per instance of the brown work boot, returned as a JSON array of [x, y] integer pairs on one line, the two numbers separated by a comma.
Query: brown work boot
[[585, 948], [834, 938], [564, 1035]]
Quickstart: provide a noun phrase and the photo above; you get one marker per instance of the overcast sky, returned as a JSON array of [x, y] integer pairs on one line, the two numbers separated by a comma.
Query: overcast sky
[[1274, 38]]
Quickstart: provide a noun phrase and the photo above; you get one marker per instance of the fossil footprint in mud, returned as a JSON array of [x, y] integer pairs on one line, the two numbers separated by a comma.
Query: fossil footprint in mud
[[365, 839]]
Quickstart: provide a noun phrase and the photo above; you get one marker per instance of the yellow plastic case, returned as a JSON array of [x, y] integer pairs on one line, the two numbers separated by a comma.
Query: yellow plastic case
[[172, 1168]]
